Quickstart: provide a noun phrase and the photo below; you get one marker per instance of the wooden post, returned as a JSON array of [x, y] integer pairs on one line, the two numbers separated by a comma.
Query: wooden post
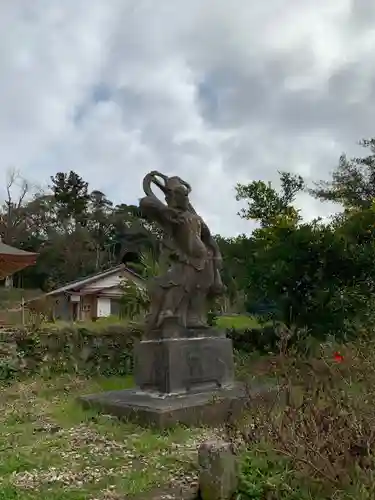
[[23, 311]]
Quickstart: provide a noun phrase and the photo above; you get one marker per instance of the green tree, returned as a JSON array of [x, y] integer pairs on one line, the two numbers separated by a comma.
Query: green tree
[[135, 300], [100, 226], [71, 195], [67, 227], [264, 203], [76, 231], [353, 181], [236, 253], [133, 235], [319, 276]]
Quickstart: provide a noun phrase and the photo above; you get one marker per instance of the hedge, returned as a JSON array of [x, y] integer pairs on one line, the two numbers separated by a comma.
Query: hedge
[[72, 349], [106, 351]]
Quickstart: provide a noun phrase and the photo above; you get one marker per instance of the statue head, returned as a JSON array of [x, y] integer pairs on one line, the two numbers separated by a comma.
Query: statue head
[[175, 189], [177, 193]]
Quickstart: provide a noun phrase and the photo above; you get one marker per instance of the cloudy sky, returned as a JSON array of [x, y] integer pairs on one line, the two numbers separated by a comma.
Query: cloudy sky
[[215, 91]]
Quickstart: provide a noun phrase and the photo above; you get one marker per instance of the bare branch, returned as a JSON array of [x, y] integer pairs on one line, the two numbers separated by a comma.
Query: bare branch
[[11, 177], [17, 189], [25, 188]]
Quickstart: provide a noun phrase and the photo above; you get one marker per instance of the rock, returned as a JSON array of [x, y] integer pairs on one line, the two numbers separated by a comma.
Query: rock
[[218, 474]]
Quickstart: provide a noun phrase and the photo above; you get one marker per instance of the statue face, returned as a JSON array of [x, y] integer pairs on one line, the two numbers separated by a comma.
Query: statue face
[[178, 198]]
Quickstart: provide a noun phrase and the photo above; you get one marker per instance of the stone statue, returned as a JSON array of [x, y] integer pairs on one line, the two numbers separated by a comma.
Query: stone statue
[[179, 296], [183, 369]]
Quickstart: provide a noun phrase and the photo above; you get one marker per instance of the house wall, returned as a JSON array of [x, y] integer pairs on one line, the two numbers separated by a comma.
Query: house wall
[[103, 307], [111, 292], [131, 277], [88, 307], [115, 307], [107, 282], [62, 308], [105, 295], [100, 298]]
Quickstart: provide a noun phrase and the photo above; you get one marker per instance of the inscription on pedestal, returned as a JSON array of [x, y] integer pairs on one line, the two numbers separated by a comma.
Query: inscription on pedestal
[[204, 366], [178, 365]]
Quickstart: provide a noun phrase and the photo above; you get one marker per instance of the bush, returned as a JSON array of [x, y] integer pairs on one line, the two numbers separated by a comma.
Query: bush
[[323, 425], [263, 340], [69, 348], [269, 339], [317, 275], [211, 318]]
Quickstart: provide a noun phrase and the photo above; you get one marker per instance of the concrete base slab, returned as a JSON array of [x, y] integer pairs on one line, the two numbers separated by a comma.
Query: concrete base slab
[[164, 411]]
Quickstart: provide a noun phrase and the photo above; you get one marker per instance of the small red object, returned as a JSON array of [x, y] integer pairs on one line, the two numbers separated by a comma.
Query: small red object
[[338, 357]]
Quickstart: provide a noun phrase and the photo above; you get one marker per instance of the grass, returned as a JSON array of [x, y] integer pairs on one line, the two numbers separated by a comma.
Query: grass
[[52, 449], [319, 444], [99, 324], [238, 322]]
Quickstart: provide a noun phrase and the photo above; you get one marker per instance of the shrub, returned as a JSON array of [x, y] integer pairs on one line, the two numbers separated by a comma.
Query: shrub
[[69, 348], [317, 275], [211, 318], [269, 338], [263, 340], [324, 424]]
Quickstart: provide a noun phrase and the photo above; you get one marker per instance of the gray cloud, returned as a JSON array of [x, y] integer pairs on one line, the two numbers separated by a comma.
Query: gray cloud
[[217, 92]]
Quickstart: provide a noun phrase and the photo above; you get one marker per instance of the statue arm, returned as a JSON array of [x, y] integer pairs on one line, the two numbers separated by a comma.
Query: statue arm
[[152, 208]]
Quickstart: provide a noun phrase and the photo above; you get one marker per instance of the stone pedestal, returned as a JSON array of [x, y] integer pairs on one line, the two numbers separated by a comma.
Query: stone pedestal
[[173, 366], [187, 380], [210, 408]]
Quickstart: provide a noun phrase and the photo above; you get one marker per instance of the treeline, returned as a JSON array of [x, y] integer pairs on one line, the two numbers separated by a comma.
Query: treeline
[[318, 276], [75, 230]]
